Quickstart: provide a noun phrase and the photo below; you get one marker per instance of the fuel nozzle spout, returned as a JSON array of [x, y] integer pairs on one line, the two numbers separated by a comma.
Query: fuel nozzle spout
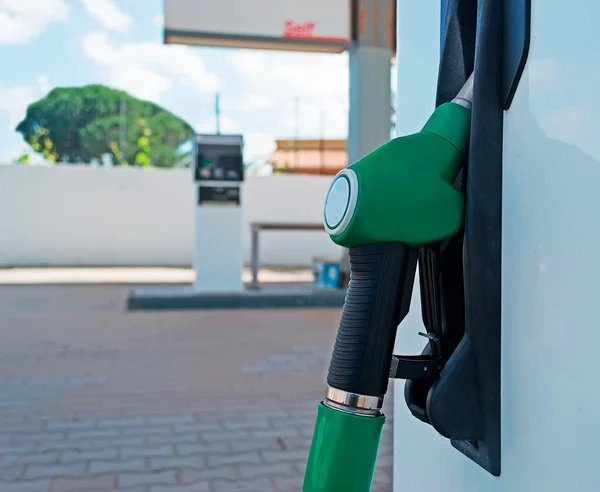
[[464, 97], [383, 208]]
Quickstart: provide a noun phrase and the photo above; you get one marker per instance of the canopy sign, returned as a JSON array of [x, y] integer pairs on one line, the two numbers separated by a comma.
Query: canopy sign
[[298, 25]]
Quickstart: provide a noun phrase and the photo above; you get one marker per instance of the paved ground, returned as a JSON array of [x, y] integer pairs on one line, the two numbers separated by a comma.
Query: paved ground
[[93, 398], [137, 275]]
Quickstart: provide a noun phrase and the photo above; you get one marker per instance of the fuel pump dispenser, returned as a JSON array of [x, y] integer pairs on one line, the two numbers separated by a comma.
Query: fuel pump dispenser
[[496, 208], [218, 179], [384, 208]]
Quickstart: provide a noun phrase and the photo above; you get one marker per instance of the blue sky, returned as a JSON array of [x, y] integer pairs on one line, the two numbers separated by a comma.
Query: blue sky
[[50, 43]]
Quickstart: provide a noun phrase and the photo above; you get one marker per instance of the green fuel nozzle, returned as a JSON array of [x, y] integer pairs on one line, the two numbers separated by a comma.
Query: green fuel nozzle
[[383, 207]]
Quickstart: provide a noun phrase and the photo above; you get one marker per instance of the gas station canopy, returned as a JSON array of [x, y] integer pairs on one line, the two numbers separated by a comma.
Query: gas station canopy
[[306, 25]]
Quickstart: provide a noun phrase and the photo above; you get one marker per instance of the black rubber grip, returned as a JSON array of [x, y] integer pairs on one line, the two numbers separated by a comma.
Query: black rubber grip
[[378, 298]]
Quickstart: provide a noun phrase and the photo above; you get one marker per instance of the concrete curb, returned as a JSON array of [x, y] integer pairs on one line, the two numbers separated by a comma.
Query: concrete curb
[[271, 297]]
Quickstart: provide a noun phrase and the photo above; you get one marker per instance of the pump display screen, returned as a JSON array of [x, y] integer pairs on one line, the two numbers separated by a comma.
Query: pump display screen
[[220, 195], [219, 167]]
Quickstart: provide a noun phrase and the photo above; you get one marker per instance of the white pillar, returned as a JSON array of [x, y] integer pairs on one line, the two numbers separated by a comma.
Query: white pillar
[[370, 100], [370, 77], [370, 114]]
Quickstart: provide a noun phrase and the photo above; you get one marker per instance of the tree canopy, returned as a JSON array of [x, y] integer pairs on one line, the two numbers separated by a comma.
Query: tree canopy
[[80, 124]]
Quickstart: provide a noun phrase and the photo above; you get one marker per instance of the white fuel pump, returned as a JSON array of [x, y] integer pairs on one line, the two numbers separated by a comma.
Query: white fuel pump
[[530, 263], [218, 177]]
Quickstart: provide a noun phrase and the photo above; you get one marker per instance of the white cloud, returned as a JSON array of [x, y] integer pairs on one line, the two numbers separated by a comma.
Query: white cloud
[[108, 14], [258, 145], [43, 84], [271, 81], [142, 82], [14, 101], [158, 20], [24, 20], [228, 125], [303, 74], [250, 101], [148, 70], [13, 107]]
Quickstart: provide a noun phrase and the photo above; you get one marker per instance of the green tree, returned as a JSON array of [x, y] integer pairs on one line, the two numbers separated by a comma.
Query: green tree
[[78, 124]]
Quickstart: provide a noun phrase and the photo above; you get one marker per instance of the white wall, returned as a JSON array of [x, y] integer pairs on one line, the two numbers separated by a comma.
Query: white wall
[[77, 215]]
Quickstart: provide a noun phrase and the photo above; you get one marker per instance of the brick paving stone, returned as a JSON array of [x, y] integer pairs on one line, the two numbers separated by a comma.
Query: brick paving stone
[[185, 449], [288, 484], [382, 488], [117, 466], [233, 459], [224, 472], [256, 485], [92, 434], [28, 459], [305, 412], [295, 443], [223, 436], [68, 425], [295, 422], [35, 472], [36, 486], [195, 487], [22, 427], [288, 455], [120, 423], [247, 424], [91, 444], [275, 433], [197, 427], [256, 445], [300, 467], [172, 439], [7, 438], [151, 430], [105, 482], [166, 477], [381, 476], [306, 431], [190, 461], [11, 473], [266, 470], [85, 378], [147, 451], [185, 419], [386, 460], [274, 414], [88, 455], [18, 447]]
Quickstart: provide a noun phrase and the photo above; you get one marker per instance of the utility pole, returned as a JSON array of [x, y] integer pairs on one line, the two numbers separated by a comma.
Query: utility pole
[[122, 140], [322, 141], [218, 113], [296, 131]]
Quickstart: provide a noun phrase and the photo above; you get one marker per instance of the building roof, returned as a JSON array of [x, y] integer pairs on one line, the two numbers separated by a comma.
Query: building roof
[[309, 156]]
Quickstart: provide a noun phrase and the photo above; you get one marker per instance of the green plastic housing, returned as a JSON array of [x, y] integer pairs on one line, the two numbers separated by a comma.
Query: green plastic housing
[[343, 452], [405, 191]]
